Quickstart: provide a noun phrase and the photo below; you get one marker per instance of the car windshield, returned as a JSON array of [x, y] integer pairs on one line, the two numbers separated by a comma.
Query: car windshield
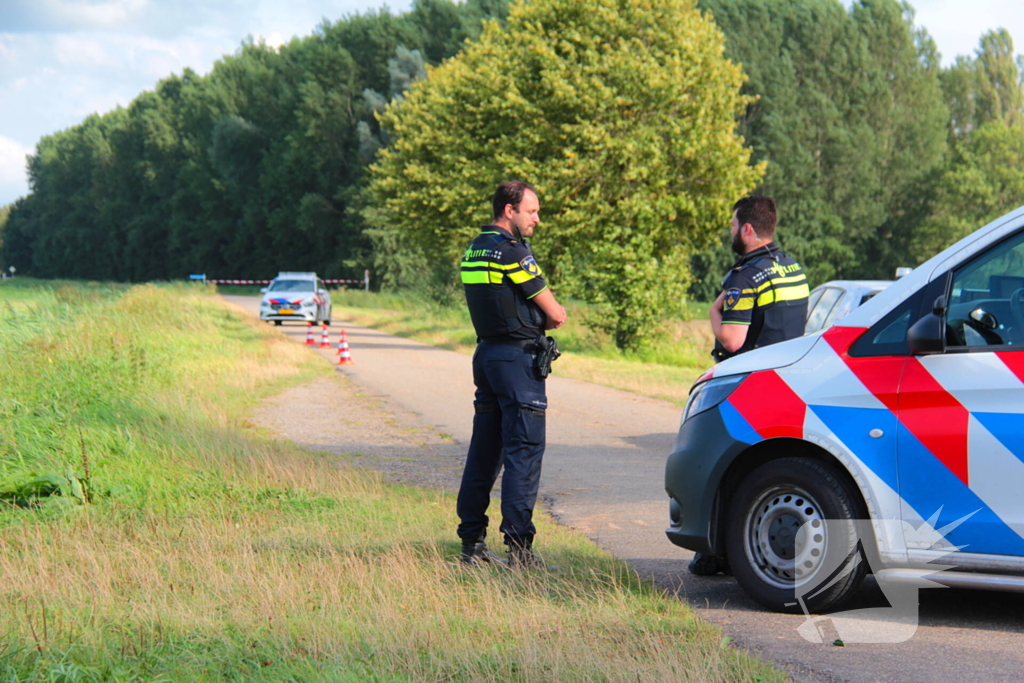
[[291, 286]]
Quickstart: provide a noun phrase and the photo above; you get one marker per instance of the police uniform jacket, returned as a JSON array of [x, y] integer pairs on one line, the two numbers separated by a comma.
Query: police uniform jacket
[[767, 290], [501, 277]]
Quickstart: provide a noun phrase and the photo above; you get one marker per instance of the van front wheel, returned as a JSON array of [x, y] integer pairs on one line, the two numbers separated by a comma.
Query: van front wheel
[[792, 539]]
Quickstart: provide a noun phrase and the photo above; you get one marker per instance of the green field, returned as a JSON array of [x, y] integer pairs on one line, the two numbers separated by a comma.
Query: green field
[[149, 533]]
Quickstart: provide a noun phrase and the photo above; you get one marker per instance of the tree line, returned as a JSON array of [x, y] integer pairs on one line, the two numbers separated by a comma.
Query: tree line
[[375, 141], [242, 172]]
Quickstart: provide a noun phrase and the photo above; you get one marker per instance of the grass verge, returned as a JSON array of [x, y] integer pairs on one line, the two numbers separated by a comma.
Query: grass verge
[[665, 369], [148, 534]]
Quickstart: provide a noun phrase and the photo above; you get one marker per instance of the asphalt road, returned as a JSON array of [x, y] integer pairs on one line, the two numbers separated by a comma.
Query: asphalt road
[[603, 475]]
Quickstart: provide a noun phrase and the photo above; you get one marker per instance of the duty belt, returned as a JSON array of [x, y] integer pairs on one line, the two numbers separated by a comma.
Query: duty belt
[[528, 344]]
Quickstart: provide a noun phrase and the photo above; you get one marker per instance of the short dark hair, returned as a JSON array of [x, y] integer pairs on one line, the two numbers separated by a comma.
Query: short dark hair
[[508, 192], [759, 212]]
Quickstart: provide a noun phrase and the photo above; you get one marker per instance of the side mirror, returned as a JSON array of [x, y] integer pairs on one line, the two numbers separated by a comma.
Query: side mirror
[[928, 335], [264, 289]]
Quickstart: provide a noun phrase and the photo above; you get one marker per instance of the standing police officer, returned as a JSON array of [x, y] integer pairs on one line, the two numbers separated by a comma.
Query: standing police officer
[[511, 306], [763, 301]]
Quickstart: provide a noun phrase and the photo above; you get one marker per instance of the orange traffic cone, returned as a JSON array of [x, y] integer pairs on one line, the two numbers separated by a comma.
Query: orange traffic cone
[[309, 334], [344, 357], [325, 343], [342, 340]]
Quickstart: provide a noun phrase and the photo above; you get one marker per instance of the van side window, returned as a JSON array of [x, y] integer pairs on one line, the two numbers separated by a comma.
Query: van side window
[[888, 337], [986, 300]]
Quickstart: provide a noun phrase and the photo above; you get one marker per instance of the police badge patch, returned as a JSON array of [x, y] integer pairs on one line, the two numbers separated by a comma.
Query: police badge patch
[[530, 266], [732, 297]]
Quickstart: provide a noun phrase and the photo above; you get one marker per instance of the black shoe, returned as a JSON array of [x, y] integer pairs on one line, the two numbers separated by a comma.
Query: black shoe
[[703, 564], [478, 553], [521, 556], [524, 558]]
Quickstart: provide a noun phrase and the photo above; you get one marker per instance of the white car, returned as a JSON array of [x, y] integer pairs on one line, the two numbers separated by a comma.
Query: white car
[[831, 302], [296, 296]]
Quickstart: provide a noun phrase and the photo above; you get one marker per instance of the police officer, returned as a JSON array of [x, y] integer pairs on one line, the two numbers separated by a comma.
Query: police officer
[[511, 306], [763, 301]]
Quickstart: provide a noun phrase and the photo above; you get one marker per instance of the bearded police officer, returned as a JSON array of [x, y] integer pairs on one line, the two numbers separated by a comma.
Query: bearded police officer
[[763, 301], [511, 306]]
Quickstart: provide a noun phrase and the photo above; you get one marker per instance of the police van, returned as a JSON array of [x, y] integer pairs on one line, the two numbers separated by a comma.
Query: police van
[[890, 442]]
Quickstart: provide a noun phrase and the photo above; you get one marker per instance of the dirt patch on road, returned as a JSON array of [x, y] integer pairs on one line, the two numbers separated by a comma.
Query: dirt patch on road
[[334, 415]]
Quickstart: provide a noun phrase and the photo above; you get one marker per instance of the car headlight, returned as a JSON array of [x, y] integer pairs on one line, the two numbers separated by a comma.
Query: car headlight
[[710, 394], [308, 304]]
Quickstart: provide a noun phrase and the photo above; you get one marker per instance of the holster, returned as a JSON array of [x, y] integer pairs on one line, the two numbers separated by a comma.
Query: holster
[[547, 352]]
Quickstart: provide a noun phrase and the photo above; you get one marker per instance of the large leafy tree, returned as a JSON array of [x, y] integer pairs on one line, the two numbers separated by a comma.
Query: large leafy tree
[[848, 115], [622, 114]]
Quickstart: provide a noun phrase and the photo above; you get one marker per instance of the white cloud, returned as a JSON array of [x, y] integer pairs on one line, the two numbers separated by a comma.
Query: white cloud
[[12, 161], [101, 15], [81, 52]]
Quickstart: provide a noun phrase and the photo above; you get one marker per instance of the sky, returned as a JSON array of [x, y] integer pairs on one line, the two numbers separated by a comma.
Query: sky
[[61, 60]]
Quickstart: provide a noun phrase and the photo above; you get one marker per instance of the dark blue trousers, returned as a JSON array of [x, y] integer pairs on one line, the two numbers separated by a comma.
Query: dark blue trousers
[[508, 430]]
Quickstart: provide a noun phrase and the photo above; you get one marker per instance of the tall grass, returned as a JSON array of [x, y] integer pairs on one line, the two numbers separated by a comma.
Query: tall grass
[[664, 368], [199, 550]]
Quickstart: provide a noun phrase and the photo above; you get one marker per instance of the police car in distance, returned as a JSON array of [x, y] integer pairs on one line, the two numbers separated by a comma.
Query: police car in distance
[[296, 296], [908, 413], [831, 302]]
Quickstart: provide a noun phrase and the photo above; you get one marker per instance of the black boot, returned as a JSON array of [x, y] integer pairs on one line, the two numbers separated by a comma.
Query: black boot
[[521, 555], [478, 553], [704, 564]]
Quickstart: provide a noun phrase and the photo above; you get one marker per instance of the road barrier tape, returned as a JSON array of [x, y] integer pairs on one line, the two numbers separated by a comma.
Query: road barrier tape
[[267, 282]]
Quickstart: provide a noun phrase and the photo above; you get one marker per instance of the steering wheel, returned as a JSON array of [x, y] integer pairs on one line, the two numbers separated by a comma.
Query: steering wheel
[[1017, 308]]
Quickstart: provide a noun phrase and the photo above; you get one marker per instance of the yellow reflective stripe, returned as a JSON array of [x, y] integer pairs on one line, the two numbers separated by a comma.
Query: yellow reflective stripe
[[790, 293], [520, 276], [735, 322], [474, 277], [789, 280], [489, 264], [481, 277], [775, 282], [744, 304], [793, 293]]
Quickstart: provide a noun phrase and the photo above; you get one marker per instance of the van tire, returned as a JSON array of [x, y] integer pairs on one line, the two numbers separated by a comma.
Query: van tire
[[790, 532]]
